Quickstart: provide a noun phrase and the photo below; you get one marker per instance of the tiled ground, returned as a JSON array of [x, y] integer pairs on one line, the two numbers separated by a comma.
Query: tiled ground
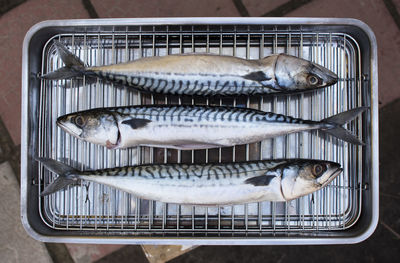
[[15, 244], [171, 8], [376, 15], [259, 8], [16, 22], [14, 25], [90, 253]]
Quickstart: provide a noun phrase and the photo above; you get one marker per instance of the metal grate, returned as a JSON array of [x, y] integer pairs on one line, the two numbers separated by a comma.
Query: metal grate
[[98, 207]]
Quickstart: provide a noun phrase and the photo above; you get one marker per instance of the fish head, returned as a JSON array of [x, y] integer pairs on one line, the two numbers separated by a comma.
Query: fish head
[[96, 126], [296, 74], [303, 177]]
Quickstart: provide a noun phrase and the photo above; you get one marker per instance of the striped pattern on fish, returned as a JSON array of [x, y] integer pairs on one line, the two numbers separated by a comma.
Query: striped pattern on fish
[[204, 74], [207, 184], [188, 84], [210, 171], [189, 113], [191, 127]]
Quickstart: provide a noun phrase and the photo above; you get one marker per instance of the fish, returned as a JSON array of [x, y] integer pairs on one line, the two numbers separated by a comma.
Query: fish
[[193, 127], [203, 74], [206, 184]]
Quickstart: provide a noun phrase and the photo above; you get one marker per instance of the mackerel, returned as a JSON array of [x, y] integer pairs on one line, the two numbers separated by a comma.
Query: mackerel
[[193, 127], [203, 74], [206, 184]]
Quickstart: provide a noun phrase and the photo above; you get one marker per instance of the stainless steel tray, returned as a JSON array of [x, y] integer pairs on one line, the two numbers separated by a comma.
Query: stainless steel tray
[[344, 212]]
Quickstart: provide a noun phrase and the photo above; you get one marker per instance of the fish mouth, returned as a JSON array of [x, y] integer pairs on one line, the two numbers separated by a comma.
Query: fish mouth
[[68, 127], [328, 77], [334, 174]]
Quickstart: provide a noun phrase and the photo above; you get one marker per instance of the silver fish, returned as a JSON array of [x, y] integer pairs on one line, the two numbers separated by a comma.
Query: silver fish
[[204, 74], [193, 127], [207, 184]]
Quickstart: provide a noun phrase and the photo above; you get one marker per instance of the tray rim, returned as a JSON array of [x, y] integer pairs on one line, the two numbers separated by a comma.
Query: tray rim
[[374, 187]]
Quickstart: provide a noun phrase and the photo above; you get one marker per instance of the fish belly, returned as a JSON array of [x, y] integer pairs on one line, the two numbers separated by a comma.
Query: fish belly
[[202, 135], [192, 191]]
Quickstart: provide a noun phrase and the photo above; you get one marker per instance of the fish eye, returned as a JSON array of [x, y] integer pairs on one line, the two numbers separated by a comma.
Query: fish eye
[[313, 80], [79, 121], [318, 169]]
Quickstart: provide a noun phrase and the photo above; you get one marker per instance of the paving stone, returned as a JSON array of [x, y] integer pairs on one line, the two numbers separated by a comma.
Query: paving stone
[[389, 154], [259, 8], [83, 253], [389, 123], [132, 253], [171, 8], [160, 254], [390, 213], [375, 14], [11, 36], [15, 244], [397, 4], [14, 26], [6, 5]]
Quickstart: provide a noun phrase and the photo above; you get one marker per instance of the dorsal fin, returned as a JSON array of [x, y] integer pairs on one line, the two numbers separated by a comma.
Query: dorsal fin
[[136, 123]]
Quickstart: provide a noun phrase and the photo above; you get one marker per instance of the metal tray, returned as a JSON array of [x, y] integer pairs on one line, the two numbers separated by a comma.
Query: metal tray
[[344, 212]]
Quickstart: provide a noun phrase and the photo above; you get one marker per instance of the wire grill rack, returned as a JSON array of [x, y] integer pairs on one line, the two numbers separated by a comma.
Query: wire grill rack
[[91, 206]]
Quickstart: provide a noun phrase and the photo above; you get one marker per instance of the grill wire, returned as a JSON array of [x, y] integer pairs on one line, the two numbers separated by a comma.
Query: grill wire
[[91, 206]]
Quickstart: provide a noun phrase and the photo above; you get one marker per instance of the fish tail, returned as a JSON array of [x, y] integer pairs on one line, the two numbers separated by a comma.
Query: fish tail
[[67, 175], [334, 125], [74, 67]]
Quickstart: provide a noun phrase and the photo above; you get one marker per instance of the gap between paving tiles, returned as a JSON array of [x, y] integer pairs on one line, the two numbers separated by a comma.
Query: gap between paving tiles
[[241, 8], [7, 5], [90, 8], [391, 7], [286, 8]]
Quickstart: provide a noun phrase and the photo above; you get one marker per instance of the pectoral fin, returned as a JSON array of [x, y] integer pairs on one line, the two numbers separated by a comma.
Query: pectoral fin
[[262, 180], [258, 76], [136, 123]]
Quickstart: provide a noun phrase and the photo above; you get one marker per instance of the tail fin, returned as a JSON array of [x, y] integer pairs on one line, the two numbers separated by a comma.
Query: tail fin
[[67, 175], [74, 67], [340, 119]]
